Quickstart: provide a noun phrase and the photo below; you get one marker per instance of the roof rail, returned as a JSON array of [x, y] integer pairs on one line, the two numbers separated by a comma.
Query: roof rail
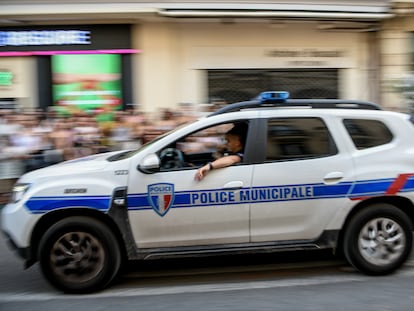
[[293, 103]]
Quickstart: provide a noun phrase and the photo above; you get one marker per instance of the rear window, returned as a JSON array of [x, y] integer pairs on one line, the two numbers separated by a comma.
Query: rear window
[[367, 133]]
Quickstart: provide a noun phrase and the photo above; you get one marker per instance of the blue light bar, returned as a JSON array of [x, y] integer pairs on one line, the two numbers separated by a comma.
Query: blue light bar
[[273, 96]]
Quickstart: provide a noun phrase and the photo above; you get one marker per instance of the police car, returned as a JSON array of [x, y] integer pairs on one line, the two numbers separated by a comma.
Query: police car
[[315, 174]]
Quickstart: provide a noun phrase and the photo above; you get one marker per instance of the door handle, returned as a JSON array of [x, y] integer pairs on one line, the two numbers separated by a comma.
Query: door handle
[[233, 185], [333, 177]]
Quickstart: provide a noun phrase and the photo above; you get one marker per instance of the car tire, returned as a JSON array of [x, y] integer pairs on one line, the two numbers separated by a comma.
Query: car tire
[[378, 239], [79, 255]]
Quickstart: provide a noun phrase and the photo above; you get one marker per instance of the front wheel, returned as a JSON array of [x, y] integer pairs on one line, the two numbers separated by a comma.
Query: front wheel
[[79, 255], [378, 239]]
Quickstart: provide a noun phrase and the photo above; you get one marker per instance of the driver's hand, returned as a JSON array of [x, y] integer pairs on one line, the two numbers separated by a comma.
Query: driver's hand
[[202, 172]]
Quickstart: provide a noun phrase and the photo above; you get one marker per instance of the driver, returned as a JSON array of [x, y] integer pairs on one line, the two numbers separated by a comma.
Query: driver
[[235, 140]]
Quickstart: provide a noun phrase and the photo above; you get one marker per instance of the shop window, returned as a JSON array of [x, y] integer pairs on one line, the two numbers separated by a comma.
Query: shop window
[[244, 84]]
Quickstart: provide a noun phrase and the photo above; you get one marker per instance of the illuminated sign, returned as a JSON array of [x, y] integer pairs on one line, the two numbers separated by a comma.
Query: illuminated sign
[[6, 78], [44, 37], [35, 40], [90, 83]]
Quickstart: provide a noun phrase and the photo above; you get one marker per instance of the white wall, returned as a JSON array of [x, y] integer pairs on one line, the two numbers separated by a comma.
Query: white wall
[[24, 86], [171, 68], [395, 56]]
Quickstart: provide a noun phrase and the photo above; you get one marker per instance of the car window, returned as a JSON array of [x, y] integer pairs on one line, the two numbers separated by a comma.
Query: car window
[[298, 138], [195, 149], [367, 133], [206, 140]]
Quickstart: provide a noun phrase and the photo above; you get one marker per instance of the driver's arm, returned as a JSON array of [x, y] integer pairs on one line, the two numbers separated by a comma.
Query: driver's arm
[[219, 163]]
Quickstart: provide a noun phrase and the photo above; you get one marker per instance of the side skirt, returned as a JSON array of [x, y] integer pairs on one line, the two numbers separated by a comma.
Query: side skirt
[[327, 240]]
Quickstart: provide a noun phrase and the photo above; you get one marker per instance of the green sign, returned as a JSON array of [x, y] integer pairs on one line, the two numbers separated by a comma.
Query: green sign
[[6, 78], [89, 83]]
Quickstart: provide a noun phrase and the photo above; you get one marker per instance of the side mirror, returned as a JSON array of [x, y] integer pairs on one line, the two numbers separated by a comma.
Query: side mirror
[[149, 163]]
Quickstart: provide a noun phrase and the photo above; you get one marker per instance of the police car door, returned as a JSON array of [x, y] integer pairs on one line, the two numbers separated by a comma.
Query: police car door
[[302, 182], [169, 208]]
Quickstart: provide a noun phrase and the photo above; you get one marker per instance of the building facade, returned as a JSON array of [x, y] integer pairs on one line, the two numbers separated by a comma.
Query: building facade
[[196, 52], [397, 57]]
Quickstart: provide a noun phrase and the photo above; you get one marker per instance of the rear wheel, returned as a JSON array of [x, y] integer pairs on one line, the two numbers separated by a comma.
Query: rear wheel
[[378, 239], [79, 255]]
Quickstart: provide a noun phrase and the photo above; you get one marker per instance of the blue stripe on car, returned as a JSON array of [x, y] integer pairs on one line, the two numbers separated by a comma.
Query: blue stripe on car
[[186, 199]]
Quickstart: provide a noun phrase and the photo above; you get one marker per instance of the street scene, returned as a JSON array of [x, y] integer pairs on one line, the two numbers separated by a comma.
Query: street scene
[[316, 281], [212, 155]]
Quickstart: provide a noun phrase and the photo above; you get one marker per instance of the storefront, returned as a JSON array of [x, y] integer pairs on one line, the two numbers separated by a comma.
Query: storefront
[[71, 68], [195, 62], [198, 51]]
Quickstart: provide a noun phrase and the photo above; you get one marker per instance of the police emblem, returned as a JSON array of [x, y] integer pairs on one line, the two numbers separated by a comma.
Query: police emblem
[[161, 197]]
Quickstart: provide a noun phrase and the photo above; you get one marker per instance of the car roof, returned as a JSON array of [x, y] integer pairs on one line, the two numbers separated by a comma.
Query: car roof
[[275, 99]]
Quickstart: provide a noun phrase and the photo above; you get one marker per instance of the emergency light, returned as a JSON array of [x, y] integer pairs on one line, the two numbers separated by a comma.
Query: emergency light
[[273, 96]]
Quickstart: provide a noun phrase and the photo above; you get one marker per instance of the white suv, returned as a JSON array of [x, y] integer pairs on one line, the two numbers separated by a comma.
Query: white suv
[[315, 174]]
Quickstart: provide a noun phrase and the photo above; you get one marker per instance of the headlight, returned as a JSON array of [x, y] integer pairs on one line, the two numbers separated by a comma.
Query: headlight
[[18, 191]]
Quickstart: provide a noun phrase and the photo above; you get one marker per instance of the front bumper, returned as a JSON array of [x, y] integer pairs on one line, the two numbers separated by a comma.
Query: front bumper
[[17, 224], [22, 252]]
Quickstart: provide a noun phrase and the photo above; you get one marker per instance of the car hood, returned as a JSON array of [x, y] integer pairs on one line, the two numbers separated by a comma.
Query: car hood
[[81, 165]]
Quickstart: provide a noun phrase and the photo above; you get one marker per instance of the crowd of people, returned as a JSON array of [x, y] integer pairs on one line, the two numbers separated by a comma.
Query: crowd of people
[[31, 140]]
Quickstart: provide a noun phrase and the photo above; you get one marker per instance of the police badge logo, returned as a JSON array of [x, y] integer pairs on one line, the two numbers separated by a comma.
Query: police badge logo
[[161, 197]]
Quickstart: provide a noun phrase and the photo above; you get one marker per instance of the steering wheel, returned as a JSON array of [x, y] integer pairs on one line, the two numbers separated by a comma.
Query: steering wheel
[[172, 158]]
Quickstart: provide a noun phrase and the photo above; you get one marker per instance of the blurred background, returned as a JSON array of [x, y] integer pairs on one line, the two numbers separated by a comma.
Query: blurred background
[[81, 77]]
